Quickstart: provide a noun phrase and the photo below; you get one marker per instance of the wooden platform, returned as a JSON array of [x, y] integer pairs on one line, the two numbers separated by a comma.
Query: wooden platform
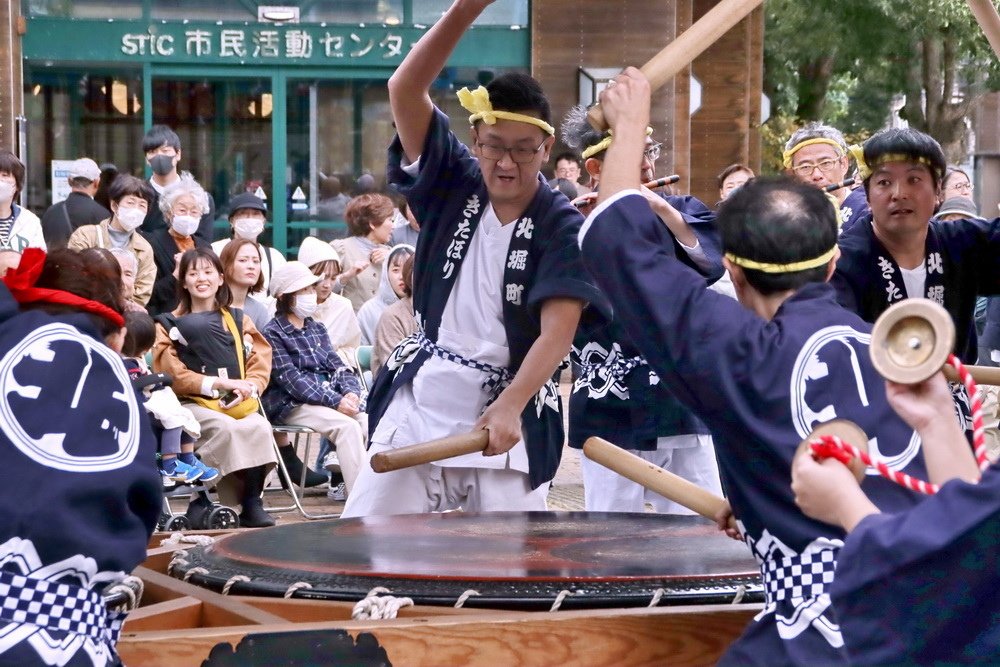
[[182, 624]]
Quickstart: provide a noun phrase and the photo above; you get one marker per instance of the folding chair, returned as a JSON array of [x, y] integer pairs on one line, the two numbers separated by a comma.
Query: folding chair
[[295, 432], [363, 362]]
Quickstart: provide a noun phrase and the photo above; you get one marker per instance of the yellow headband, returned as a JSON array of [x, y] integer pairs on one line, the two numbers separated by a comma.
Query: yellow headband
[[814, 263], [865, 170], [786, 157], [478, 103], [603, 144]]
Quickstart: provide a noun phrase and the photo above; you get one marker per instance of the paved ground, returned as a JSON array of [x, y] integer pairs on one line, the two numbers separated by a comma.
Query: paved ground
[[566, 493]]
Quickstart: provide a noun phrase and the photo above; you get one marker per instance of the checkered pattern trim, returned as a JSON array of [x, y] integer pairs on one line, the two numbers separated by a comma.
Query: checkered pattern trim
[[496, 380], [57, 607], [801, 576], [617, 369]]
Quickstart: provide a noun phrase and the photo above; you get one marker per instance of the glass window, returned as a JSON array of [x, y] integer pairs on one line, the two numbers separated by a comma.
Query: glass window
[[74, 114], [501, 12], [85, 9], [225, 132], [352, 11], [199, 10]]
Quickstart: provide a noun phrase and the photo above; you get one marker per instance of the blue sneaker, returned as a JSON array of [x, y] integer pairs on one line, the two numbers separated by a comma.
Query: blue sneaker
[[186, 474], [208, 473]]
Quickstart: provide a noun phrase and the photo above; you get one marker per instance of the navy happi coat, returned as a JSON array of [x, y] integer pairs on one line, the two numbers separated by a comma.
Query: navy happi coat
[[760, 386], [617, 396], [81, 493], [923, 587], [963, 262], [448, 197]]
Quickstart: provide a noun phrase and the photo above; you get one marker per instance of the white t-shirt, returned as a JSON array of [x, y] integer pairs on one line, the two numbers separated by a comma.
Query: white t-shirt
[[446, 398], [915, 281]]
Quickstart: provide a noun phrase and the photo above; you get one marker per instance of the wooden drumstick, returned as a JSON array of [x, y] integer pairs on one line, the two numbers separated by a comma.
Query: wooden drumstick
[[434, 450], [687, 46], [989, 20], [590, 197], [655, 478]]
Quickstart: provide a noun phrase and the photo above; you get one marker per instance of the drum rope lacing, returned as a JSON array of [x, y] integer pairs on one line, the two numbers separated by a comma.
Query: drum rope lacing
[[465, 596], [830, 446], [132, 587], [379, 604]]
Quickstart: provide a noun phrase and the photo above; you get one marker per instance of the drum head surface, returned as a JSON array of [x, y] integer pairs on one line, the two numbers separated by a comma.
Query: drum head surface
[[513, 559]]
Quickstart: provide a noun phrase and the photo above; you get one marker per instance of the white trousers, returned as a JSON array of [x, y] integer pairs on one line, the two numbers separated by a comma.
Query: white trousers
[[432, 488], [689, 456], [348, 435]]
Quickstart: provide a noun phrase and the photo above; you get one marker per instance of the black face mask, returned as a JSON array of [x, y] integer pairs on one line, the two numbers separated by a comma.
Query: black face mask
[[162, 164]]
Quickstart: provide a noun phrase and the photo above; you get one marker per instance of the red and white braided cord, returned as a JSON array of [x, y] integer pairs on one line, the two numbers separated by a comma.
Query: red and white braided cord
[[978, 430], [830, 446]]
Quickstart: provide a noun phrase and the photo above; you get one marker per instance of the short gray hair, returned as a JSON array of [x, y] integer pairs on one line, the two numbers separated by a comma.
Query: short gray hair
[[577, 132], [125, 253], [817, 131], [186, 185]]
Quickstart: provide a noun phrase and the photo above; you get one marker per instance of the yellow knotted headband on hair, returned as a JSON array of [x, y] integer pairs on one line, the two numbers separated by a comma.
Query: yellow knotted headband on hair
[[603, 145], [865, 170], [786, 157], [478, 103], [792, 267]]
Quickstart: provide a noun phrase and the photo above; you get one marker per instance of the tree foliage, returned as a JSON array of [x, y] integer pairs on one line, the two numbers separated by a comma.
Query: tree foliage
[[845, 62]]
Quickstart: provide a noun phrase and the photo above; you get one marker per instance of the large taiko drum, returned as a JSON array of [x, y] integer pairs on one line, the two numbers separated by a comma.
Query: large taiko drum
[[515, 560]]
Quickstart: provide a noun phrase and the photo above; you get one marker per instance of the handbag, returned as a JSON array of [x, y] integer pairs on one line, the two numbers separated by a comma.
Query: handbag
[[246, 406]]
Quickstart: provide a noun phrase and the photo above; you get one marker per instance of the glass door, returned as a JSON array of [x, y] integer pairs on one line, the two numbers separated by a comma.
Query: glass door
[[225, 127]]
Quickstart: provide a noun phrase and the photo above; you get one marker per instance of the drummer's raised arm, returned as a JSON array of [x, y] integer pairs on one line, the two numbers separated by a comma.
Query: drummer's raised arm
[[409, 86]]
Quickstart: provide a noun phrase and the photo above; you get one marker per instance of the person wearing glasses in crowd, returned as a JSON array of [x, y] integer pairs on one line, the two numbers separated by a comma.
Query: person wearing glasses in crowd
[[498, 292], [817, 154], [956, 184]]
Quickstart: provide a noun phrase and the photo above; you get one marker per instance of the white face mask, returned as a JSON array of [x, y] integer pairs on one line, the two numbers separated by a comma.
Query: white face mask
[[305, 305], [6, 191], [248, 228], [130, 217], [185, 225]]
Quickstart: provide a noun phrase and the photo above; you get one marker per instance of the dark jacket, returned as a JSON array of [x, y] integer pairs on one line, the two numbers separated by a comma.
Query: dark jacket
[[164, 297], [63, 218]]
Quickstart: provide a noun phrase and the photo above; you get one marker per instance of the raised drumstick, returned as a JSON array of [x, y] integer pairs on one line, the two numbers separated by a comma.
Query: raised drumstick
[[687, 46], [428, 452]]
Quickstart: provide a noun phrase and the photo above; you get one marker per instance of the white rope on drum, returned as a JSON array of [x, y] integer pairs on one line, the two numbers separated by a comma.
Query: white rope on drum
[[657, 596], [232, 580], [297, 586], [379, 605], [193, 571], [132, 587], [563, 594], [178, 559], [740, 592], [463, 597], [181, 538]]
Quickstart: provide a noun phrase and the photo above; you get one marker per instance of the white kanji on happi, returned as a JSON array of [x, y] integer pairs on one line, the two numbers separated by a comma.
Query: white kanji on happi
[[525, 228], [934, 263], [936, 294], [518, 260], [514, 293]]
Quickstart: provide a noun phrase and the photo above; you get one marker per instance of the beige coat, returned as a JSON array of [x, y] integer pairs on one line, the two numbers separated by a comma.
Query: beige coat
[[97, 236], [225, 443], [396, 323], [363, 286]]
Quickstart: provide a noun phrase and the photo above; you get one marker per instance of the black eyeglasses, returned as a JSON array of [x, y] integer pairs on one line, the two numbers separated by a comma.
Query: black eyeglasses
[[517, 154]]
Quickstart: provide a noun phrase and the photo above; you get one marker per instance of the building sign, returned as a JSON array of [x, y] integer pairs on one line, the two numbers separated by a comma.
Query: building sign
[[257, 43], [60, 179]]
